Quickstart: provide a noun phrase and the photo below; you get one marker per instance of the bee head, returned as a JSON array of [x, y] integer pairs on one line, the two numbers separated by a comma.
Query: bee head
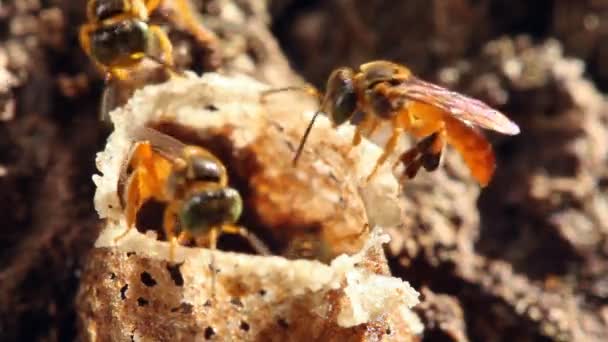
[[196, 165], [123, 43], [340, 101], [210, 208]]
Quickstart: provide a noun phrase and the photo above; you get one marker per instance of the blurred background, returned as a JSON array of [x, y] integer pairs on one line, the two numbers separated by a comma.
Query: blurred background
[[525, 259]]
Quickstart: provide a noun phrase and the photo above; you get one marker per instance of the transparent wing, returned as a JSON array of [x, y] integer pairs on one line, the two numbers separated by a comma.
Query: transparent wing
[[464, 108], [166, 145]]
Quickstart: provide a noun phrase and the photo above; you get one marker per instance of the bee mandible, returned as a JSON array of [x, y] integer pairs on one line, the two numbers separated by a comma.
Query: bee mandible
[[383, 91]]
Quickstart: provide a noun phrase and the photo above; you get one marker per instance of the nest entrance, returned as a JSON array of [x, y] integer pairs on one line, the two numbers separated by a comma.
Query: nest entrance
[[240, 164]]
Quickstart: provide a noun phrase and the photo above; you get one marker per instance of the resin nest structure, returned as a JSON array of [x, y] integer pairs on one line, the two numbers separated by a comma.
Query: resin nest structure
[[341, 290]]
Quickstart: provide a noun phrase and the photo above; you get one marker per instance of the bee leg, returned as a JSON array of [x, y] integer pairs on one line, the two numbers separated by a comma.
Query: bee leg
[[389, 148], [407, 157], [169, 223], [166, 51], [412, 168], [213, 236], [107, 103], [366, 127], [257, 244], [426, 153], [431, 156], [164, 42], [175, 240]]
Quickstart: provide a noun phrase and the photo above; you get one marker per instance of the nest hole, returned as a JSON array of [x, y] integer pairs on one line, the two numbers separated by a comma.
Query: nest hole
[[244, 326], [147, 279], [236, 302], [123, 291], [150, 217], [282, 322], [185, 308], [211, 108], [142, 301], [241, 165], [209, 333]]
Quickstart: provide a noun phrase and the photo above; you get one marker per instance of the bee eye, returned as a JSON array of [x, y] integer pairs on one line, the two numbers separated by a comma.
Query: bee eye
[[206, 210], [207, 170], [342, 97]]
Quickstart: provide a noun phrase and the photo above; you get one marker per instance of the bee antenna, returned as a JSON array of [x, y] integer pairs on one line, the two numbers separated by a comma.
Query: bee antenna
[[308, 89], [304, 137]]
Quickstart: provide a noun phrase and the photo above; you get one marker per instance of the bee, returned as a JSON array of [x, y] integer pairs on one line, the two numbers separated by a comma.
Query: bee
[[118, 37], [383, 91], [193, 185]]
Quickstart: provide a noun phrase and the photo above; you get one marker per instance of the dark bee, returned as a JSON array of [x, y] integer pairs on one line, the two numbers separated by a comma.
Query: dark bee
[[118, 36]]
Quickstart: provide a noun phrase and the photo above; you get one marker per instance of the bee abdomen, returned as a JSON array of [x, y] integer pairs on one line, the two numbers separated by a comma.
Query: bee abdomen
[[474, 148]]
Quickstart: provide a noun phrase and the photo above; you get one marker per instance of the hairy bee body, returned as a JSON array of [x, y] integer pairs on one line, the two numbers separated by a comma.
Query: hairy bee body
[[118, 36], [382, 91], [191, 183]]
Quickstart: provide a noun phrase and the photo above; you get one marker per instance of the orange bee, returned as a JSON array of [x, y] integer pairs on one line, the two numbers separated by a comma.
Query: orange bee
[[190, 182], [383, 91]]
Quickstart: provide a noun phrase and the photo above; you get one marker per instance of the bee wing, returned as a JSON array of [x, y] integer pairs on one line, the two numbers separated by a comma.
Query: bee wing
[[464, 108], [162, 143]]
